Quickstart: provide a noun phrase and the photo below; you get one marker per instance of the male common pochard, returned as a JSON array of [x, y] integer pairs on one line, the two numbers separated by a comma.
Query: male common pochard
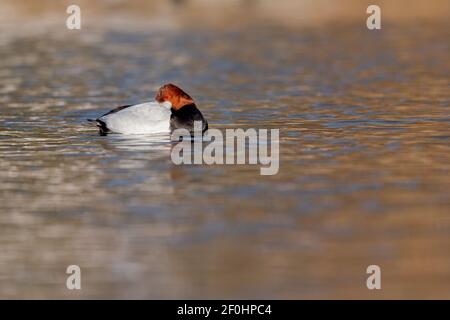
[[173, 109]]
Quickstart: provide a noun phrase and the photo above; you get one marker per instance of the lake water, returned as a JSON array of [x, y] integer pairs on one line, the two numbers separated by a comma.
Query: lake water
[[364, 165]]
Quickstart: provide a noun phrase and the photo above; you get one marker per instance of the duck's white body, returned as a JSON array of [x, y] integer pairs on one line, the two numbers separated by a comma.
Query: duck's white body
[[143, 118]]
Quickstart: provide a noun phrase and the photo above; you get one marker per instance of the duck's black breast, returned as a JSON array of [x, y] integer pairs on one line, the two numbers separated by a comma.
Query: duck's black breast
[[184, 118]]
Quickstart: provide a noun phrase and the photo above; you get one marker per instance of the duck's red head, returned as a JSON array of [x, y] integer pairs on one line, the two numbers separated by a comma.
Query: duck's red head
[[177, 97]]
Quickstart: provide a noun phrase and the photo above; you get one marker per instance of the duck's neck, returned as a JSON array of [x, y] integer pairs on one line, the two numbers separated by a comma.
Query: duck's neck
[[184, 107]]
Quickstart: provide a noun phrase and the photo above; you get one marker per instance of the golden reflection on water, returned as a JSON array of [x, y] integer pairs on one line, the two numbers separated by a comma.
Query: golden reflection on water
[[364, 165]]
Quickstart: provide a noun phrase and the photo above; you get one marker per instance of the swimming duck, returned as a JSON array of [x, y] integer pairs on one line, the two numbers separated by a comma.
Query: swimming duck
[[172, 109]]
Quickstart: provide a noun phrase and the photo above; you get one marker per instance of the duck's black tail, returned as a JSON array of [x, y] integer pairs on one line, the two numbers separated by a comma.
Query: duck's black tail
[[103, 129]]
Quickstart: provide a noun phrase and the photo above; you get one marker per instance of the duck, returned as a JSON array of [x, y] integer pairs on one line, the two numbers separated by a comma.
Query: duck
[[172, 109]]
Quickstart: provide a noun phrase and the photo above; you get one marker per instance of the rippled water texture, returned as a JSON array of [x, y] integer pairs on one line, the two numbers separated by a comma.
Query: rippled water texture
[[364, 165]]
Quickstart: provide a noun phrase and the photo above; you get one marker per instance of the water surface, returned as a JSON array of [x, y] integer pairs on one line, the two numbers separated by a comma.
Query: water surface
[[364, 165]]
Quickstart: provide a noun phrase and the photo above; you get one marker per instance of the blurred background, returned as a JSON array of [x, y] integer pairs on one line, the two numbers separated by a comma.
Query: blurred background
[[364, 152], [228, 14]]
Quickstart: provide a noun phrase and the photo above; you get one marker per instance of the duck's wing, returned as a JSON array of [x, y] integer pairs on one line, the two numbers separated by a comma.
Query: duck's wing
[[148, 111], [117, 110], [147, 117], [103, 129]]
